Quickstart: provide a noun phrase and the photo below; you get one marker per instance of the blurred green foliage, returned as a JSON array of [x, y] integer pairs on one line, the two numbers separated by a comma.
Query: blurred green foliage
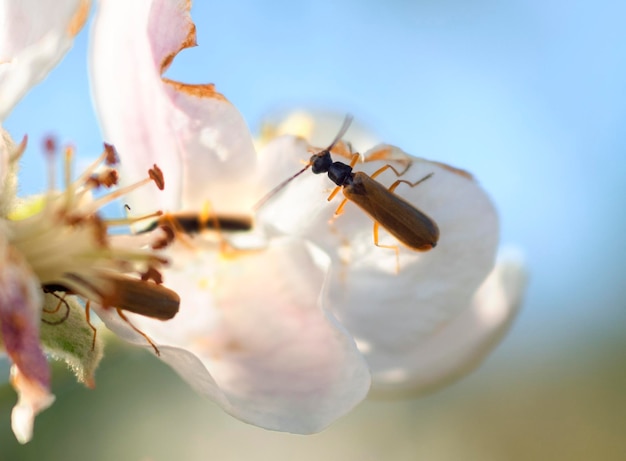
[[563, 405]]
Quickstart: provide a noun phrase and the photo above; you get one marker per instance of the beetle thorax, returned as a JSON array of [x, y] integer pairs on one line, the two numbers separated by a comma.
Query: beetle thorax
[[340, 173]]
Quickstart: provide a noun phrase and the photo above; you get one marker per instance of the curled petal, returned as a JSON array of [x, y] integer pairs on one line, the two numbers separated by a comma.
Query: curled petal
[[34, 36], [20, 301], [461, 345], [254, 323], [33, 398], [191, 131]]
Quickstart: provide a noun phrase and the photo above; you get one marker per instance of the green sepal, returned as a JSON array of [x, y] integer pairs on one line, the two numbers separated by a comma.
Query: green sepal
[[70, 339]]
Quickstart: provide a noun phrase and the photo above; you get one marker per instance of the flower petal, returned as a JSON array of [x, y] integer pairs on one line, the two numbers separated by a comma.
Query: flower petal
[[388, 308], [33, 398], [462, 344], [20, 301], [279, 360], [34, 36], [192, 132]]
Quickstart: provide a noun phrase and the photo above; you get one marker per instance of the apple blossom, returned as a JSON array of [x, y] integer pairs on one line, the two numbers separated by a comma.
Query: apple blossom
[[55, 247], [32, 41], [60, 243], [443, 327], [264, 348], [264, 322]]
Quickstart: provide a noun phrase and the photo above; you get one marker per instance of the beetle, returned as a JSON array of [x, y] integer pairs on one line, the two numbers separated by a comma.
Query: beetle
[[194, 223], [123, 294], [404, 221]]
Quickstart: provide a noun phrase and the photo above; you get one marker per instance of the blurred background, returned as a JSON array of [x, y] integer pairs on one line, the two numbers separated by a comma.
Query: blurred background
[[528, 95]]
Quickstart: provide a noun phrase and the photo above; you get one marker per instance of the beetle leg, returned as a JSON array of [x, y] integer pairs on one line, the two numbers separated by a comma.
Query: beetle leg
[[354, 159], [339, 209], [56, 309], [391, 247], [333, 193], [95, 331], [147, 338], [381, 170], [412, 184]]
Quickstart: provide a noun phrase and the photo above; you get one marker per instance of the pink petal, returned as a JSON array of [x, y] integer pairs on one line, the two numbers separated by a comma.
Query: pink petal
[[33, 398], [191, 131], [20, 304], [461, 345], [254, 322], [34, 36]]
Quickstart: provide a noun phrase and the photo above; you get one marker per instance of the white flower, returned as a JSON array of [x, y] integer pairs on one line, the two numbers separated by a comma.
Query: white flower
[[267, 324], [33, 37], [441, 315], [55, 247], [264, 348]]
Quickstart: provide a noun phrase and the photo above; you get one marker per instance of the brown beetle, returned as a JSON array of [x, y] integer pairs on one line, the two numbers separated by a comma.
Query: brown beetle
[[401, 219]]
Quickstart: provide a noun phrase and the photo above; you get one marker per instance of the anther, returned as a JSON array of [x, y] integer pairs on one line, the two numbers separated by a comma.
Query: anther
[[156, 175], [111, 158]]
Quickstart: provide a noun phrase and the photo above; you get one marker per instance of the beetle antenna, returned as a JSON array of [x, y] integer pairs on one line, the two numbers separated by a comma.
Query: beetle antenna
[[342, 131], [344, 127], [277, 189]]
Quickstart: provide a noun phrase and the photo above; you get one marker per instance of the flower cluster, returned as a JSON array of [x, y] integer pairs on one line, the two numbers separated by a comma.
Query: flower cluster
[[291, 320], [56, 251]]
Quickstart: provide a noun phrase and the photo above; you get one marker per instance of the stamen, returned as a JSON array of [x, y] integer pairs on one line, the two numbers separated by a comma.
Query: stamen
[[129, 221], [174, 231], [92, 168], [68, 246], [167, 239], [69, 156], [50, 149], [154, 174], [107, 179], [111, 155], [19, 150], [69, 187]]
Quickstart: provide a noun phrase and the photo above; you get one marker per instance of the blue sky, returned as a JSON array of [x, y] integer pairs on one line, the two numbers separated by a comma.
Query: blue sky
[[529, 96]]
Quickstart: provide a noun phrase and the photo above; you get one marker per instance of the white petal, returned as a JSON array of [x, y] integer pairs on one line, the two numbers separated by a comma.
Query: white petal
[[192, 132], [392, 313], [461, 345], [280, 361], [294, 208], [34, 36]]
